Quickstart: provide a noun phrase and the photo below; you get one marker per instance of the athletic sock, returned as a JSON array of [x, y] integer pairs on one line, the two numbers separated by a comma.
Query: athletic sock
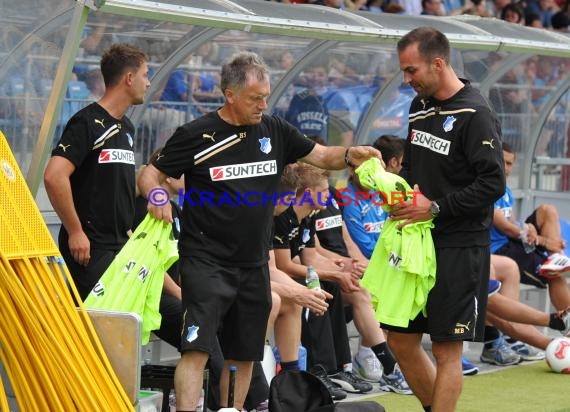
[[385, 357], [347, 367], [290, 366], [555, 322], [491, 334]]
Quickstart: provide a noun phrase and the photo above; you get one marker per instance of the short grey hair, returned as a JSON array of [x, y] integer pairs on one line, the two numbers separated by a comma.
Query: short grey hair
[[234, 73]]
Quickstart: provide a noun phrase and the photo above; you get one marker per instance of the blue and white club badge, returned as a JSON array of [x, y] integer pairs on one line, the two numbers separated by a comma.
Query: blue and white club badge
[[306, 235], [192, 334], [448, 123], [130, 139], [334, 203], [265, 145]]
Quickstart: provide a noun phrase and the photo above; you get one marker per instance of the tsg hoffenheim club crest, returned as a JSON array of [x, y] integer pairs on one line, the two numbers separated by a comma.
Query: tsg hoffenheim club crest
[[306, 235], [265, 145], [448, 124]]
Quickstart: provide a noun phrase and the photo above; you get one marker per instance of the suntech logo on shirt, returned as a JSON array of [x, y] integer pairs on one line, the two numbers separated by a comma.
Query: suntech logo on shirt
[[328, 222], [117, 156], [243, 170], [431, 142]]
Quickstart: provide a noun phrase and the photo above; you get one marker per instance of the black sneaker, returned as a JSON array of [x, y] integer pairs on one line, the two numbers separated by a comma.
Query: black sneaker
[[349, 382], [336, 393]]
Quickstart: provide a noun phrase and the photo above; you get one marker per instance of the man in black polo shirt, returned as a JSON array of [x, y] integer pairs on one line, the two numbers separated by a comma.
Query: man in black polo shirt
[[90, 179], [232, 159]]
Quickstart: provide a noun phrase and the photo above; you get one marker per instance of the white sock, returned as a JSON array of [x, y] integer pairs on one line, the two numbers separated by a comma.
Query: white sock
[[364, 351]]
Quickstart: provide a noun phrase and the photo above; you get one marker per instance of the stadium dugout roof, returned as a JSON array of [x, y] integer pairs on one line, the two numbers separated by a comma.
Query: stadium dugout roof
[[311, 21], [43, 48]]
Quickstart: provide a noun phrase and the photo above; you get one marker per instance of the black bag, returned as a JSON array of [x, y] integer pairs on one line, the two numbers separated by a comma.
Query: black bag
[[299, 391]]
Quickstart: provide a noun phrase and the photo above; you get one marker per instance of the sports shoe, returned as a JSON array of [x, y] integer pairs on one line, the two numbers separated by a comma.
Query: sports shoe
[[336, 393], [564, 315], [527, 352], [468, 367], [494, 286], [349, 382], [500, 353], [368, 367], [395, 382], [555, 265]]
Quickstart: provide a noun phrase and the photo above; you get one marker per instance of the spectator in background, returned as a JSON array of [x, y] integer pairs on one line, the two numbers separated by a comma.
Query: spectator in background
[[432, 8], [545, 9], [532, 19], [513, 13]]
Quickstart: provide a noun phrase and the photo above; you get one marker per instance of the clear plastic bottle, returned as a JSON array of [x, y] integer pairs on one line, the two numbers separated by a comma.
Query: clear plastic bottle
[[312, 278], [528, 247], [172, 401]]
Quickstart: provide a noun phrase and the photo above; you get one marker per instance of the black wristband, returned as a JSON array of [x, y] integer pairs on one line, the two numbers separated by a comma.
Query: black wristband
[[347, 160]]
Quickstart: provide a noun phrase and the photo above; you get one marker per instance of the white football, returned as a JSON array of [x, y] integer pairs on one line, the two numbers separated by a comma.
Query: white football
[[558, 355]]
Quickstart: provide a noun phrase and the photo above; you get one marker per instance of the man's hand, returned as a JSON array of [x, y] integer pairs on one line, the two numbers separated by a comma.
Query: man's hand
[[352, 266], [313, 299], [80, 247], [414, 210], [359, 154], [163, 212]]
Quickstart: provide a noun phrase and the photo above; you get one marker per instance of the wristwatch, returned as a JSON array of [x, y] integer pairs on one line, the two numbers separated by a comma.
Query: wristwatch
[[434, 209]]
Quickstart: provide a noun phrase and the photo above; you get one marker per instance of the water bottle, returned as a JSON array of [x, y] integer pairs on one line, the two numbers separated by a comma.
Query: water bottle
[[172, 401], [528, 248], [312, 278]]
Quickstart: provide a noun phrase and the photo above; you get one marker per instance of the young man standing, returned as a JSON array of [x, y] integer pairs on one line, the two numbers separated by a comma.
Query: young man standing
[[453, 156], [90, 178]]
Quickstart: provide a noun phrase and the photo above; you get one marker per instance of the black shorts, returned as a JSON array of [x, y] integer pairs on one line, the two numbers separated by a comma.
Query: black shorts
[[237, 300], [457, 303], [86, 277], [528, 263]]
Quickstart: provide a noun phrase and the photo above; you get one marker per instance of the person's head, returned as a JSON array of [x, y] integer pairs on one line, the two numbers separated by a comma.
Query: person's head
[[560, 21], [532, 19], [313, 186], [287, 189], [95, 83], [424, 55], [245, 84], [392, 149], [509, 158], [513, 13], [432, 7], [126, 65], [318, 74]]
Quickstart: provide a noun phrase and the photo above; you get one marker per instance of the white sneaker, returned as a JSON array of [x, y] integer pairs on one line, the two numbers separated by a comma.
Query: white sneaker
[[368, 367], [556, 265]]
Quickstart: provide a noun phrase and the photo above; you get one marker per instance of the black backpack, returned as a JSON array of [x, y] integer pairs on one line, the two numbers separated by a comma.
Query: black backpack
[[299, 391]]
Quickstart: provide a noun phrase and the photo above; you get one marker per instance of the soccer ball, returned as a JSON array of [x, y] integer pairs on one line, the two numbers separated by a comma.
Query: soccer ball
[[558, 355]]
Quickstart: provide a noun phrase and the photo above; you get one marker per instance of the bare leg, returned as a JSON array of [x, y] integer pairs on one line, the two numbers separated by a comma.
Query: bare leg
[[507, 271], [548, 223], [522, 332], [288, 330], [188, 379], [515, 311], [275, 308], [415, 364], [559, 293], [364, 319], [243, 379], [449, 378]]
